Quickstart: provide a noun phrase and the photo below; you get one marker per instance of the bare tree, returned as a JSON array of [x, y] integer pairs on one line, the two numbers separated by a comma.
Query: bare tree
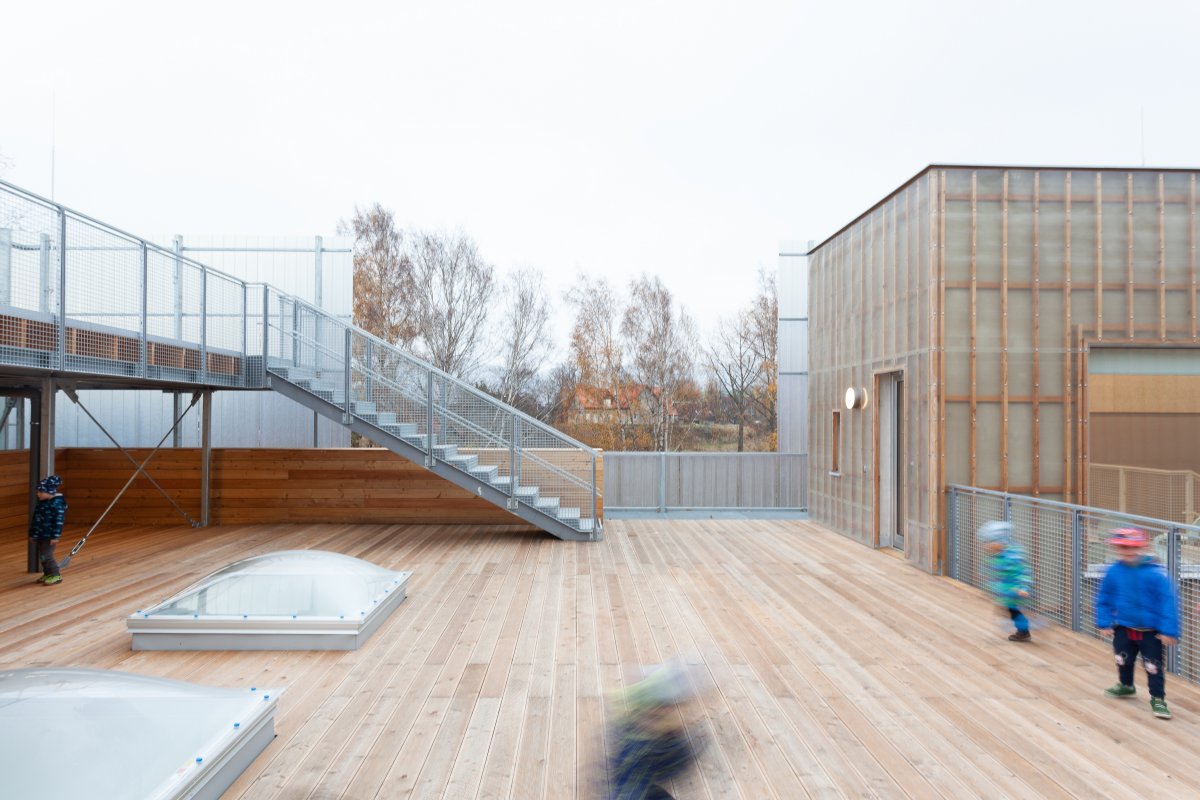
[[595, 350], [384, 291], [736, 367], [764, 328], [454, 287], [659, 338], [523, 337]]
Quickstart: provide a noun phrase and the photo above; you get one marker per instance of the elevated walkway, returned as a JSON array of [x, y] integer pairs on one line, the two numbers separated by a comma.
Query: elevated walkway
[[86, 305]]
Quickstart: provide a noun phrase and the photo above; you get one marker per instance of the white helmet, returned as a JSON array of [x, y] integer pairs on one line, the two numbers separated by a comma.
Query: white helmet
[[995, 531]]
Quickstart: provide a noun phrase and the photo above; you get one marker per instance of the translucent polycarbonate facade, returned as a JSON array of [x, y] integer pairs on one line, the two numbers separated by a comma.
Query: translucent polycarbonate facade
[[293, 599], [996, 297], [73, 733]]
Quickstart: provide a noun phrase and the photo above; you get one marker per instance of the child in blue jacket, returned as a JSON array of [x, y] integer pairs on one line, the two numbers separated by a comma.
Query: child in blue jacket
[[1007, 574], [46, 526], [1136, 605]]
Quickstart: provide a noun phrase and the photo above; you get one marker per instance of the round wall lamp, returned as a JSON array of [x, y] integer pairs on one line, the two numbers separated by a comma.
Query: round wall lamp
[[856, 398]]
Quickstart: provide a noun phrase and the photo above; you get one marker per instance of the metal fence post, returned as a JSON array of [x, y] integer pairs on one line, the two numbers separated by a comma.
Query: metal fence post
[[595, 489], [44, 273], [178, 287], [203, 324], [266, 330], [1077, 570], [318, 289], [429, 438], [245, 331], [512, 462], [144, 355], [952, 533], [1173, 536], [62, 287], [662, 482], [5, 266], [349, 405], [1007, 508]]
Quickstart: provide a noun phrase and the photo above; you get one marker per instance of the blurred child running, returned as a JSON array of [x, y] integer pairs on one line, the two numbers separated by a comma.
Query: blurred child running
[[1008, 575]]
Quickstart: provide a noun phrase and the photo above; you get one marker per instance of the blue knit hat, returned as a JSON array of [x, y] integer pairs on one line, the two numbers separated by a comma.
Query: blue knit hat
[[49, 484], [995, 531]]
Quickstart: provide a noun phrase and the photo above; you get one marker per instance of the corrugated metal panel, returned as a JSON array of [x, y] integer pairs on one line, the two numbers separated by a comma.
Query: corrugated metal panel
[[792, 285], [793, 413], [793, 348], [240, 419], [705, 480]]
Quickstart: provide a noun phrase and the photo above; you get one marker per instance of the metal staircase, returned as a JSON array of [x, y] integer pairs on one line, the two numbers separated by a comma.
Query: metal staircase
[[431, 418], [93, 305]]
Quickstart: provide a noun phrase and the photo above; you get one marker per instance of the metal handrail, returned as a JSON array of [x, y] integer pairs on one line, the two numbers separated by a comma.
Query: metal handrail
[[464, 422], [1090, 510], [425, 365]]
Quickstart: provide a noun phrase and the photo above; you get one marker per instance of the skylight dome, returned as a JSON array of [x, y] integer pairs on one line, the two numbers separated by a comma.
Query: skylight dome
[[72, 733], [290, 600]]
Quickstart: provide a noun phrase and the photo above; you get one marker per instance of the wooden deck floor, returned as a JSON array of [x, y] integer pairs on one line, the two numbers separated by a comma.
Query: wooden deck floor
[[837, 671]]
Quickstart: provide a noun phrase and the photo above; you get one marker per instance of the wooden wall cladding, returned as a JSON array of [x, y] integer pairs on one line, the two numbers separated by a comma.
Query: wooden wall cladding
[[14, 491], [253, 486]]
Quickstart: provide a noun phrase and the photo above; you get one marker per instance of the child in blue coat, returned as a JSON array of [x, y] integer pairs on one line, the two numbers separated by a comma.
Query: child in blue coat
[[1136, 606], [1008, 576], [46, 526]]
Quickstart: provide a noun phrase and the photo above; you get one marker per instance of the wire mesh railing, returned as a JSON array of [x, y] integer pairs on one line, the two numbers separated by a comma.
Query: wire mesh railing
[[1068, 553], [689, 481], [78, 295], [445, 418], [1168, 494]]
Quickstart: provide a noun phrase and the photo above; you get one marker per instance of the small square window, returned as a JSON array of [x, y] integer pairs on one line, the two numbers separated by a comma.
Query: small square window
[[835, 448]]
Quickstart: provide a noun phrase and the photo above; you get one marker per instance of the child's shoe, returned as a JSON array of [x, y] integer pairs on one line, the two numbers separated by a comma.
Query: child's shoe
[[1158, 707], [1120, 690], [52, 579], [42, 579], [1020, 636]]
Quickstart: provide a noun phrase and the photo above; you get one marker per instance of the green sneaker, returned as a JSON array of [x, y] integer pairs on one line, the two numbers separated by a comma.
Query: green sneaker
[[1158, 707], [52, 579], [1121, 690], [42, 579]]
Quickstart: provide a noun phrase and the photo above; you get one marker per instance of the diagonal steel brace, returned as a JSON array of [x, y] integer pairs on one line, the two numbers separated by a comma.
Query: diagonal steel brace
[[140, 467]]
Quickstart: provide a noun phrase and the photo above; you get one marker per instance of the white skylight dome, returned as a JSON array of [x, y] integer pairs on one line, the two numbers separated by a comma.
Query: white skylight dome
[[72, 733], [289, 600]]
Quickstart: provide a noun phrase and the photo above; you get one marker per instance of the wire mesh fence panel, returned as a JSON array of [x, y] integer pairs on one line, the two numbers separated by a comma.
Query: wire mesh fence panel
[[1069, 554], [225, 336]]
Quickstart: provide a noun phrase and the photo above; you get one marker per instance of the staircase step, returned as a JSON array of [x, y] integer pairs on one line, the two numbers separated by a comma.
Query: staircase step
[[527, 493], [568, 514], [363, 408], [501, 481], [385, 418], [464, 463], [445, 451], [485, 474], [547, 504], [404, 430]]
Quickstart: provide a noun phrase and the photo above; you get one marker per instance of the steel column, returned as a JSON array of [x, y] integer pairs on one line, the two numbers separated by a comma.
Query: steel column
[[1173, 536], [349, 355], [952, 533], [318, 293], [205, 456], [430, 458]]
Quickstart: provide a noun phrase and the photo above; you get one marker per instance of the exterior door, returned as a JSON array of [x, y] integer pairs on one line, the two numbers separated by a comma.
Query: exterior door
[[889, 449]]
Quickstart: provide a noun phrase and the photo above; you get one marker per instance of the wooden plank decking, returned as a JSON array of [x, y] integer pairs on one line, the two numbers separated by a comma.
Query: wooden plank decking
[[837, 670]]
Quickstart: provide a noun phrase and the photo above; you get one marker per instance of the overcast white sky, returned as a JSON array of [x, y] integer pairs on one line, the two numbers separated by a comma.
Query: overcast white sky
[[685, 139]]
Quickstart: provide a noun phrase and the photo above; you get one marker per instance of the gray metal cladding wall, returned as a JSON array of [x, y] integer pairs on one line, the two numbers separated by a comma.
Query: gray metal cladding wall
[[705, 480]]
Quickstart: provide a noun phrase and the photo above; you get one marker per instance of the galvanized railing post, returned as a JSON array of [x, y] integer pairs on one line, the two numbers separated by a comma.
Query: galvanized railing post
[[62, 287], [595, 491], [517, 444], [266, 329], [144, 346], [245, 331], [1007, 507], [1077, 570], [662, 482], [44, 273], [952, 533], [203, 324], [349, 405], [429, 438], [296, 335], [512, 461], [1173, 553]]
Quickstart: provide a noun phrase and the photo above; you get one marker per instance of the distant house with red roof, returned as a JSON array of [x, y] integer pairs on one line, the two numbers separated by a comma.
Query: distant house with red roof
[[636, 404]]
